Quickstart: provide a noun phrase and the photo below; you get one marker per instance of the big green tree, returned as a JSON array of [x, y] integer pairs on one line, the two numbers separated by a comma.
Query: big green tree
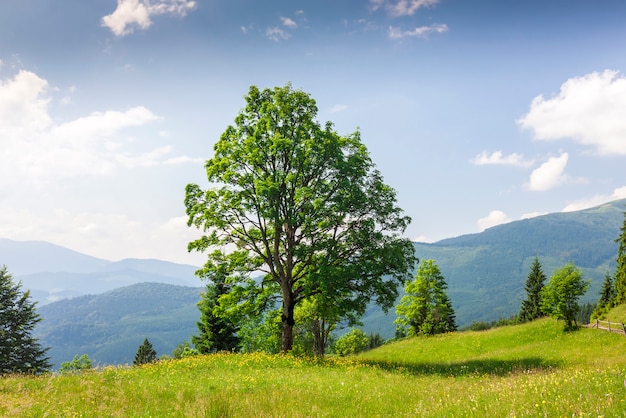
[[20, 352], [303, 205], [619, 282], [531, 306], [426, 308], [559, 298]]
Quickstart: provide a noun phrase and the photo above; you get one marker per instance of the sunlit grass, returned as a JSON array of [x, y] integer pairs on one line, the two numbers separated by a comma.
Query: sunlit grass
[[529, 370], [617, 314]]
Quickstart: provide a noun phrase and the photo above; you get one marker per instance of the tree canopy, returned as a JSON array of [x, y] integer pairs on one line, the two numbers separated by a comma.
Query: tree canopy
[[426, 308], [559, 298], [20, 352], [302, 205]]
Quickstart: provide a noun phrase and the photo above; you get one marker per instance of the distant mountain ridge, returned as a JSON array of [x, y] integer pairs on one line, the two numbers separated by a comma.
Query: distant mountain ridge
[[486, 272], [28, 257], [52, 272]]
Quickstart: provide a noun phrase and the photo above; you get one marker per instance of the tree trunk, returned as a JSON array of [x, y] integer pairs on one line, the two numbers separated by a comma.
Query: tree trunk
[[318, 338], [287, 322]]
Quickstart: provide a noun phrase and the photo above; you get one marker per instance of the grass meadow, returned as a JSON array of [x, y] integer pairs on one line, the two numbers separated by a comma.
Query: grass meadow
[[530, 370]]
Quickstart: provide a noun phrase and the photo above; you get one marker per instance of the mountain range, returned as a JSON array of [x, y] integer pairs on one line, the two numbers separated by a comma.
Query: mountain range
[[52, 272], [106, 309], [486, 272]]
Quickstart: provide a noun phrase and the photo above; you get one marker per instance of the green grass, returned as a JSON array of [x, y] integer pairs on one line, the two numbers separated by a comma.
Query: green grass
[[527, 370], [617, 314]]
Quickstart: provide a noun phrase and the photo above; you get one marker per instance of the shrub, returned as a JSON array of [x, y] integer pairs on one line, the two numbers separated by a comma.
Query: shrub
[[353, 342]]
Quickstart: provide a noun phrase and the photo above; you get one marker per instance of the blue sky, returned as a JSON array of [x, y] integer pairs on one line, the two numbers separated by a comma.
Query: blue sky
[[476, 112]]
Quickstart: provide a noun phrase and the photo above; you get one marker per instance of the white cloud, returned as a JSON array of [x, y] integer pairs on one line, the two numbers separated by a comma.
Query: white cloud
[[549, 174], [288, 22], [498, 158], [619, 193], [277, 34], [495, 217], [532, 215], [39, 150], [22, 103], [401, 7], [424, 239], [103, 124], [137, 13], [338, 108], [422, 31], [589, 110]]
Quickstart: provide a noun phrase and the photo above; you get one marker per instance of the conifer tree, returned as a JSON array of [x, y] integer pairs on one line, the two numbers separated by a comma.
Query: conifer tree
[[607, 296], [145, 354], [217, 333], [20, 352], [531, 306], [426, 308], [620, 271]]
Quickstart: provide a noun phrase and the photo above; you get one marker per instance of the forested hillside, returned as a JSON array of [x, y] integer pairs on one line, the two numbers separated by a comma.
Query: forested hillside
[[111, 326], [486, 272]]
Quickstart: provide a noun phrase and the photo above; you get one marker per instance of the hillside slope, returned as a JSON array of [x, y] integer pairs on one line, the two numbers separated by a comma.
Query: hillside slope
[[110, 327], [529, 370], [486, 272]]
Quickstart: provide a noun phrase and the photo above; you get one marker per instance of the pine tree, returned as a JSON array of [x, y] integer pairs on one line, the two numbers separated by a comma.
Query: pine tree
[[20, 352], [451, 316], [607, 296], [216, 333], [426, 308], [531, 306], [145, 354], [620, 272]]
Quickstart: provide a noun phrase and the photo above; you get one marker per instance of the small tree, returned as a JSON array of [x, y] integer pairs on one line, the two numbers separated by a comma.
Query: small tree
[[78, 364], [183, 350], [20, 352], [426, 308], [261, 333], [217, 332], [353, 342], [559, 298], [531, 306], [607, 295], [375, 340], [620, 271], [145, 354]]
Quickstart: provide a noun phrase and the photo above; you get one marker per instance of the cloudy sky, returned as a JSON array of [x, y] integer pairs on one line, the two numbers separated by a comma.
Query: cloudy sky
[[477, 112]]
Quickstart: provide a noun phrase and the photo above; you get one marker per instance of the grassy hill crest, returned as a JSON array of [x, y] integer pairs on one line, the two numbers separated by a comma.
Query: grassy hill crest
[[527, 370]]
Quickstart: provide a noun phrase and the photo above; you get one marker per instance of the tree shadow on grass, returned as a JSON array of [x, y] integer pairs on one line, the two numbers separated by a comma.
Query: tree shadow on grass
[[493, 367]]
